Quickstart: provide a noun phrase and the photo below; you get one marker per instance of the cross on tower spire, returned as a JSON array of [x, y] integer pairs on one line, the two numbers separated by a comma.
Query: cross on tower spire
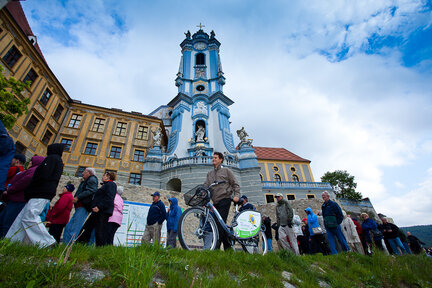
[[200, 26]]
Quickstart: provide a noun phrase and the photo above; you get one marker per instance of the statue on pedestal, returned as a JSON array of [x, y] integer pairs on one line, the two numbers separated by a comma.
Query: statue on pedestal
[[157, 137], [242, 135], [200, 134]]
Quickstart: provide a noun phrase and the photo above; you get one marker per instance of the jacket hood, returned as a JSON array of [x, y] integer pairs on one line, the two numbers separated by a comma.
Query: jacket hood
[[309, 211], [37, 160], [56, 148], [344, 214], [174, 201]]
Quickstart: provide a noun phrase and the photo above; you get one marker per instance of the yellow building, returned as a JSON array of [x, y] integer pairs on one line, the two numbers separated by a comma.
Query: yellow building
[[107, 139], [285, 172]]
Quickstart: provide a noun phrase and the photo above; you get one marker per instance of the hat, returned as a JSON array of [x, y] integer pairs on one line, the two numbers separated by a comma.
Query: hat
[[70, 187], [279, 195], [156, 194], [20, 157], [243, 197]]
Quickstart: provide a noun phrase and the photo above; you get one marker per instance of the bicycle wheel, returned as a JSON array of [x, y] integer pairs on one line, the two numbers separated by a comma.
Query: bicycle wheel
[[194, 234], [256, 245]]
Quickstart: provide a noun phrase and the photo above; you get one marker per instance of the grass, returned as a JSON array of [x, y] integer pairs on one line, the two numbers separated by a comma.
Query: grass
[[149, 265]]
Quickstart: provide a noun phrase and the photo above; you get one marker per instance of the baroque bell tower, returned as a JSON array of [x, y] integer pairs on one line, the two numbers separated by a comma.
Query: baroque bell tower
[[198, 124]]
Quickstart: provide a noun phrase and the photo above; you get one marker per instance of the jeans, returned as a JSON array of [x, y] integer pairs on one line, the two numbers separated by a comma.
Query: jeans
[[269, 245], [8, 216], [75, 224], [395, 243], [336, 232]]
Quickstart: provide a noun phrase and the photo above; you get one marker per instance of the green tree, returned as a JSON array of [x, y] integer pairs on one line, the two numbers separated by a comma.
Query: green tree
[[12, 103], [343, 184]]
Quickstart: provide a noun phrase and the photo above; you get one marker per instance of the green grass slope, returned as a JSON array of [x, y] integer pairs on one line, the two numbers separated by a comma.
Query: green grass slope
[[144, 266]]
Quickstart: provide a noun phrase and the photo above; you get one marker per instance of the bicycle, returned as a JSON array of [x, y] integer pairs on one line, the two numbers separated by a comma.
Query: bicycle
[[198, 229]]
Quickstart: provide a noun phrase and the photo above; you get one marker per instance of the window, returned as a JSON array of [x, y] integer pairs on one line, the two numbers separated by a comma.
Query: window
[[45, 97], [47, 137], [293, 169], [135, 178], [139, 155], [67, 143], [295, 178], [58, 112], [98, 125], [12, 56], [75, 121], [275, 168], [277, 177], [291, 197], [79, 172], [200, 59], [32, 123], [142, 132], [269, 198], [115, 152], [31, 76], [91, 148], [310, 196], [120, 129]]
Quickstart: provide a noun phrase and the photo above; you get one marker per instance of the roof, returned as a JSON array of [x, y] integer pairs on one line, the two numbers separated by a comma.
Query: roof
[[15, 9], [268, 153]]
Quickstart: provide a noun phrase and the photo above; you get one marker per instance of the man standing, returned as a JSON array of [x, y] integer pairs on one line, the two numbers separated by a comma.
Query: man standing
[[155, 217], [415, 243], [82, 202], [333, 217], [222, 193], [391, 234], [245, 205], [284, 214]]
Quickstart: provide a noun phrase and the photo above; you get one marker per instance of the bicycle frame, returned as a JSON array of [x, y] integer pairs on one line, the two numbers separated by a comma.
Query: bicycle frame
[[210, 208]]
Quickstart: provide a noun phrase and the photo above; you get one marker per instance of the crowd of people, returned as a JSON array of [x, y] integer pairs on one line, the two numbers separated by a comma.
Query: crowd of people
[[26, 214]]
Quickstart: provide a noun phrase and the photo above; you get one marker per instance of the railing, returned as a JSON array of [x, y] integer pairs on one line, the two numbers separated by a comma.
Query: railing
[[200, 160], [295, 185]]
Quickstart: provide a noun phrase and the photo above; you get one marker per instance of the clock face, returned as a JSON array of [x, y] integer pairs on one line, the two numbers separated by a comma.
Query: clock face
[[200, 46]]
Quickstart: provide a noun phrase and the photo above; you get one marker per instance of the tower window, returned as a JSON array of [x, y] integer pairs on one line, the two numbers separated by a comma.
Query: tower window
[[200, 88], [200, 59]]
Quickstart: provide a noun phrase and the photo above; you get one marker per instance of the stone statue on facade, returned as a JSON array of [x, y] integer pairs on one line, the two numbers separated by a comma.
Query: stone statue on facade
[[188, 34], [200, 134], [157, 137], [243, 140], [200, 108]]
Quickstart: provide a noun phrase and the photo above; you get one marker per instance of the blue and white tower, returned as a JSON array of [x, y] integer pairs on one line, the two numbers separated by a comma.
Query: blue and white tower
[[199, 124]]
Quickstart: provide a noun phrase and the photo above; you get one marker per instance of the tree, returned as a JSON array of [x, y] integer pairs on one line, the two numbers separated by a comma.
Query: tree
[[12, 103], [343, 184]]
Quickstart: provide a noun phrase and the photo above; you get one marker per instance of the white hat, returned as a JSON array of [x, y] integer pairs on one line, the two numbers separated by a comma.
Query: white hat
[[279, 195]]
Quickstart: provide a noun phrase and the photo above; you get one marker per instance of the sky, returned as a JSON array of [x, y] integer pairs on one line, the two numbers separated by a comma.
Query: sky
[[345, 84]]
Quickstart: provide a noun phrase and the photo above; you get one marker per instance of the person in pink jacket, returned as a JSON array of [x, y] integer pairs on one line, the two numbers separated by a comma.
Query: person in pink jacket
[[114, 222], [58, 215]]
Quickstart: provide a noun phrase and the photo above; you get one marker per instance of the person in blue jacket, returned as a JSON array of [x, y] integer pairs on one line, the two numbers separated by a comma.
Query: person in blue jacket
[[370, 226], [173, 217], [7, 152], [318, 241]]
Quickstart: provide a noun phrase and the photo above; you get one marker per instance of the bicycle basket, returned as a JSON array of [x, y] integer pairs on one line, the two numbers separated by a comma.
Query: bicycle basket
[[197, 196]]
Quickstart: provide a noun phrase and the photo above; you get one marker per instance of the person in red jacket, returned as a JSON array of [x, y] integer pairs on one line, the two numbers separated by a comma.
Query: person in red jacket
[[58, 215]]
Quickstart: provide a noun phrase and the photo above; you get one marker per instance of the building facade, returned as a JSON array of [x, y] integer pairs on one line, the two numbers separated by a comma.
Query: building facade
[[104, 138]]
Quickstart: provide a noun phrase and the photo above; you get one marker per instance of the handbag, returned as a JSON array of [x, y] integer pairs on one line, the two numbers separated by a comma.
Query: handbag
[[317, 230], [330, 221]]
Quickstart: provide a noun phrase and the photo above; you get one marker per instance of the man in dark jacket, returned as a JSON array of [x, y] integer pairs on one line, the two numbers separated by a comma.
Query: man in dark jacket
[[333, 217], [284, 215], [268, 232], [173, 217], [391, 234], [7, 151], [245, 205], [415, 243], [28, 227], [82, 202], [155, 217], [102, 208]]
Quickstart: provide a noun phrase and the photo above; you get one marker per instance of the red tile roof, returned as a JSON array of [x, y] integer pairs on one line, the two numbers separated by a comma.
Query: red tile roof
[[268, 153], [15, 9]]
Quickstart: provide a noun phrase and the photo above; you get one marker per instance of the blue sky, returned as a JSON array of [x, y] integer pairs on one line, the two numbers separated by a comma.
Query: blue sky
[[346, 84]]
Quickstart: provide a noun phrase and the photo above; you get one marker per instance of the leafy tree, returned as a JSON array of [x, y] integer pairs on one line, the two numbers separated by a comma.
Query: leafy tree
[[12, 103], [343, 184]]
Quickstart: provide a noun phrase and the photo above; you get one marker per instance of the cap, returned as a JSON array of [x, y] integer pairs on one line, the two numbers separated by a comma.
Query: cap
[[243, 197], [279, 195], [156, 194], [70, 187], [20, 157]]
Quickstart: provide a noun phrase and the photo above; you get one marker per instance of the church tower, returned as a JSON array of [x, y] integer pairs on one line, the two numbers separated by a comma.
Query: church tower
[[197, 122]]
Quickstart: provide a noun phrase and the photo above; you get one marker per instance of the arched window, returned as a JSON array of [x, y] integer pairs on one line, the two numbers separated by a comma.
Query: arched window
[[200, 59], [295, 178], [262, 178], [277, 177]]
